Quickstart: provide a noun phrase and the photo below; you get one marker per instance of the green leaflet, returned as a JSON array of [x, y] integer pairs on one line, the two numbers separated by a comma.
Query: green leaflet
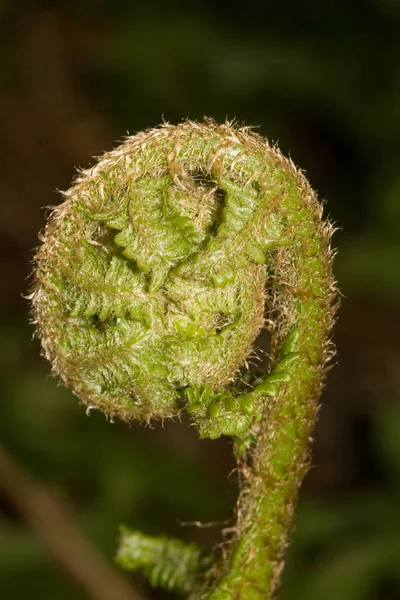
[[167, 563], [105, 286], [153, 281]]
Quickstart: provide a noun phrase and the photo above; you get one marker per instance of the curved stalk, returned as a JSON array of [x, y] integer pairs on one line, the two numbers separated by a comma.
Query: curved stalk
[[153, 281]]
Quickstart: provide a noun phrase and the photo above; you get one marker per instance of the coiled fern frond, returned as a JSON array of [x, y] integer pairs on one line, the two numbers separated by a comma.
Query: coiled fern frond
[[153, 281]]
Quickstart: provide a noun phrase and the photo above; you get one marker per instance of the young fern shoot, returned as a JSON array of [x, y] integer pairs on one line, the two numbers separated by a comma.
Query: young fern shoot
[[153, 281]]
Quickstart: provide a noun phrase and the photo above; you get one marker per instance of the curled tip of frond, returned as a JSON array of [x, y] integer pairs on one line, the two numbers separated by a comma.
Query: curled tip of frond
[[154, 278]]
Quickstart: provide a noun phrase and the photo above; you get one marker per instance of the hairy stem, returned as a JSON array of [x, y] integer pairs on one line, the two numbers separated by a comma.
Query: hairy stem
[[153, 281]]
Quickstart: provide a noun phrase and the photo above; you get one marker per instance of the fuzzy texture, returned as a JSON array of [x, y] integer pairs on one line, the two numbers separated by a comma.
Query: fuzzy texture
[[155, 277]]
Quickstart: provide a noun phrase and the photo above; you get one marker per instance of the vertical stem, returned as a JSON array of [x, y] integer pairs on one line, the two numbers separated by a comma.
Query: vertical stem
[[280, 458]]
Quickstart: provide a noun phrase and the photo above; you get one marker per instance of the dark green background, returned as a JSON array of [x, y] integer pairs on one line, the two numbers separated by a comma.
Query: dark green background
[[323, 80]]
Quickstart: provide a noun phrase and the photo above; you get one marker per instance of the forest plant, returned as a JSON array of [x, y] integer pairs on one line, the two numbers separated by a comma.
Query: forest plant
[[153, 281]]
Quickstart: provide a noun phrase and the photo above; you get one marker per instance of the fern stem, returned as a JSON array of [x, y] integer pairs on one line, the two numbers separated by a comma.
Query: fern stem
[[153, 281]]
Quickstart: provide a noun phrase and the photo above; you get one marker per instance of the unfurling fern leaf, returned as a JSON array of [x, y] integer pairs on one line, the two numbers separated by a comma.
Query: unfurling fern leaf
[[153, 281]]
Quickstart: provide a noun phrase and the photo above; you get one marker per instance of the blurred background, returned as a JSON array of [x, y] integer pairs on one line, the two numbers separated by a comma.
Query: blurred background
[[323, 81]]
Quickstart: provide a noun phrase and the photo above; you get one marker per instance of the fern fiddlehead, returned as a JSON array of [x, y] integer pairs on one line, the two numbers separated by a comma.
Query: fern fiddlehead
[[153, 280]]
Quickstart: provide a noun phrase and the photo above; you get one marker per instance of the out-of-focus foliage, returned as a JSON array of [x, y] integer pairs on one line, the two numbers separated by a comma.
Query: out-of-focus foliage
[[323, 80], [114, 472]]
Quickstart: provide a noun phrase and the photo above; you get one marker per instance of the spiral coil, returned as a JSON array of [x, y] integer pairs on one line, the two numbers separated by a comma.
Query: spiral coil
[[153, 281]]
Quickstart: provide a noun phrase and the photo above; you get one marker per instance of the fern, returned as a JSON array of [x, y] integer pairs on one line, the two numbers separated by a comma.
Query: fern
[[153, 281]]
